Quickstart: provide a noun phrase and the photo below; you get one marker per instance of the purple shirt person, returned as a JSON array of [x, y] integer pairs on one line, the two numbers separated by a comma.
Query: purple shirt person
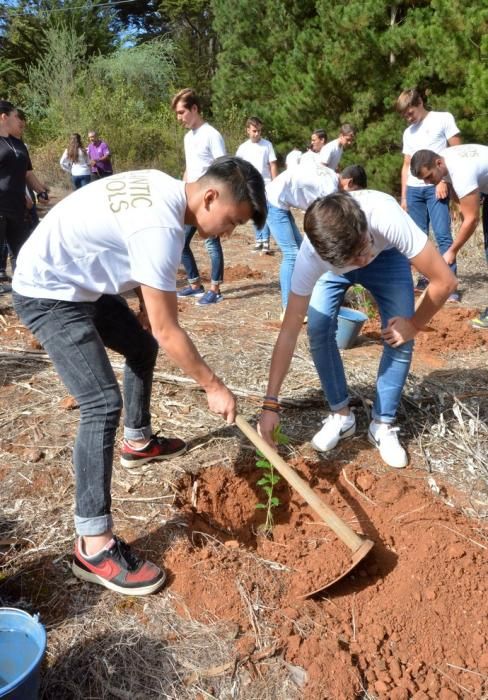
[[99, 155]]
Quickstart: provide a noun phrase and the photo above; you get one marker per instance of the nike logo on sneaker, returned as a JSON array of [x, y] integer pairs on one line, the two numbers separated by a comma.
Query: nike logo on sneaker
[[376, 442], [107, 569]]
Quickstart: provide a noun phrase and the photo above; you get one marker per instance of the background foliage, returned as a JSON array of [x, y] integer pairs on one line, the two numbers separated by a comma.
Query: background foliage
[[298, 64]]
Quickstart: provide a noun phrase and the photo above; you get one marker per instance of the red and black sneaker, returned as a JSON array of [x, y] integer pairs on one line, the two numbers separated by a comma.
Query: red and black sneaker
[[118, 568], [157, 448]]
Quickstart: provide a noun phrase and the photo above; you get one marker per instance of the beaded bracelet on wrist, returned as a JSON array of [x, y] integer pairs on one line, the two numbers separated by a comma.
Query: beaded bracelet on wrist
[[273, 409], [271, 404]]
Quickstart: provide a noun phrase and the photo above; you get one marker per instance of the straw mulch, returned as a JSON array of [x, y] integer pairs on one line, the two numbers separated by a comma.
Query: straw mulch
[[105, 646]]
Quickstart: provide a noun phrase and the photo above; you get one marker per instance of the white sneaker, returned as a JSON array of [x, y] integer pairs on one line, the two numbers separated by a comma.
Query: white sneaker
[[336, 427], [385, 438]]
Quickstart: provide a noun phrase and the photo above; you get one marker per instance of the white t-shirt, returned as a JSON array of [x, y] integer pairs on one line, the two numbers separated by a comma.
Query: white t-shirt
[[106, 238], [389, 226], [293, 158], [202, 147], [259, 154], [468, 168], [432, 133], [301, 186], [331, 154], [79, 168], [309, 159]]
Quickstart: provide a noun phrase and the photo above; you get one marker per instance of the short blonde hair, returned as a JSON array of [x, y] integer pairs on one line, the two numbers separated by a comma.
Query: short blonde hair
[[407, 99]]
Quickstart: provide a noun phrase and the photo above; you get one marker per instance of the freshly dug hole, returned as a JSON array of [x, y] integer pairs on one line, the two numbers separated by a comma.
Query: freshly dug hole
[[225, 507]]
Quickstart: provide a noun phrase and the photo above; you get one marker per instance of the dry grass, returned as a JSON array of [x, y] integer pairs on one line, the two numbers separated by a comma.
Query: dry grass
[[103, 646]]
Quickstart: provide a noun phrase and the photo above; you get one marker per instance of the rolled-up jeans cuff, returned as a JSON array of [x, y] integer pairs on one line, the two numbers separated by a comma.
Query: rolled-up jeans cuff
[[389, 420], [217, 282], [93, 526], [194, 280], [337, 407], [143, 433]]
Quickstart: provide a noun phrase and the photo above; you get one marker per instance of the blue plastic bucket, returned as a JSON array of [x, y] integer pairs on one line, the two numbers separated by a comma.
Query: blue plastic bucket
[[349, 324], [22, 647]]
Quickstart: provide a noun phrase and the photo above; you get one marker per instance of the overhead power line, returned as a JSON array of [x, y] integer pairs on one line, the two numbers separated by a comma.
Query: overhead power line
[[87, 6]]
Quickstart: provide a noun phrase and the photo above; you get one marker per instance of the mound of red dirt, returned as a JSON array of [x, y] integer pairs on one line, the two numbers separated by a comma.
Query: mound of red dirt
[[234, 273], [449, 331], [408, 622]]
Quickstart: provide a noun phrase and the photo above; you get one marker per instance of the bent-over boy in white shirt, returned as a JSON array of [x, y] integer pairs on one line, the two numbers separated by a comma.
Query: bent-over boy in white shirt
[[465, 168], [124, 232], [359, 237]]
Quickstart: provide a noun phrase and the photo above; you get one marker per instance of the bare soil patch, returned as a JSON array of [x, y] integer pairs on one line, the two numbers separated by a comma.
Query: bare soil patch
[[449, 331], [409, 622], [410, 619]]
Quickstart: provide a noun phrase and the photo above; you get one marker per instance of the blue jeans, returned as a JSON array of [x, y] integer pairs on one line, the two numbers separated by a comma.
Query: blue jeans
[[75, 335], [289, 239], [389, 280], [80, 181], [262, 234], [424, 208], [214, 249]]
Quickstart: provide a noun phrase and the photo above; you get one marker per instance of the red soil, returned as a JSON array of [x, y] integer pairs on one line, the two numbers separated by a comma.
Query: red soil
[[449, 331], [234, 273], [408, 622]]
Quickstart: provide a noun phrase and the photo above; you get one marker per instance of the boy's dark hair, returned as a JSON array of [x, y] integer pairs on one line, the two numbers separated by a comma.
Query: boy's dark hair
[[21, 115], [189, 98], [408, 98], [321, 133], [254, 121], [357, 174], [422, 159], [347, 129], [244, 183], [6, 107], [336, 227]]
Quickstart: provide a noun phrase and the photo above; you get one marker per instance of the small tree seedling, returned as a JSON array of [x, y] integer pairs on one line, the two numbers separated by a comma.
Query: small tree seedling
[[267, 482]]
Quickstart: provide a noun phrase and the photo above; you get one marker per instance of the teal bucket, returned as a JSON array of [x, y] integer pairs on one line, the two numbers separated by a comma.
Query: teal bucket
[[22, 647], [349, 324]]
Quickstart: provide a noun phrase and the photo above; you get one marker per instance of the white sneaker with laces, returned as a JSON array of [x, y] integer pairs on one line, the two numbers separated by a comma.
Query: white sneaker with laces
[[385, 438], [336, 427]]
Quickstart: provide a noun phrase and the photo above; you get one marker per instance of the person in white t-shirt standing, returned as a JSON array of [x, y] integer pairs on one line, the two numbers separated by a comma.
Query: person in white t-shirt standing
[[203, 144], [124, 232], [260, 153], [310, 158], [360, 237], [75, 161], [426, 204], [330, 155], [466, 169]]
